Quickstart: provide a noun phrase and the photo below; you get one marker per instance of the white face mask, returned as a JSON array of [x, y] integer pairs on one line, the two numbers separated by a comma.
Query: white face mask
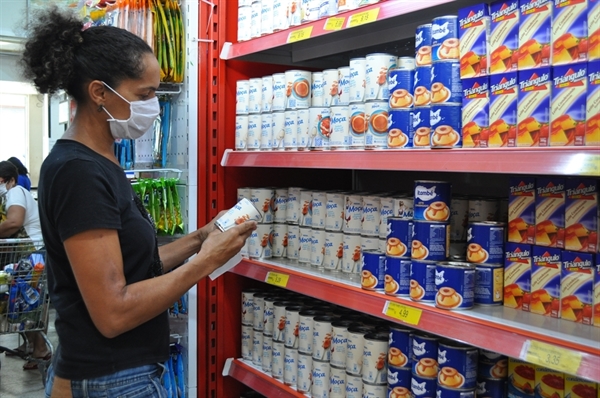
[[141, 118], [3, 189]]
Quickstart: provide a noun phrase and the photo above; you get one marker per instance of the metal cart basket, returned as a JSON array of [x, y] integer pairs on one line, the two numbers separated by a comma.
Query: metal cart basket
[[24, 292]]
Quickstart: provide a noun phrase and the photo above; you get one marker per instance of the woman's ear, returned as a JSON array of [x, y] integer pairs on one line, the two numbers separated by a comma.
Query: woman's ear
[[97, 93]]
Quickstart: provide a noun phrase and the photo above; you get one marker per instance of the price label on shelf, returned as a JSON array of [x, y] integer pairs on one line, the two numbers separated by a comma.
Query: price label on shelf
[[334, 23], [364, 17], [550, 356], [277, 279], [402, 312], [300, 34], [590, 165]]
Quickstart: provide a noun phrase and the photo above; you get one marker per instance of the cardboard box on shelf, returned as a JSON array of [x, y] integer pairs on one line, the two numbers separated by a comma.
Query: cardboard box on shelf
[[504, 37], [569, 92], [535, 33], [474, 33], [569, 32], [545, 282], [533, 110], [581, 215], [577, 285], [521, 210], [517, 275]]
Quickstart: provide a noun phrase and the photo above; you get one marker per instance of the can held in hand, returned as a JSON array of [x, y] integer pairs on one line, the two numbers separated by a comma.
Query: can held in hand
[[243, 211], [254, 95], [422, 281], [397, 276], [372, 270], [455, 283]]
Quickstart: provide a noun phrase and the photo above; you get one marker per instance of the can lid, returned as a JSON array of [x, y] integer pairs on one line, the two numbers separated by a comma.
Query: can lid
[[489, 265], [262, 294], [294, 308], [252, 290], [374, 252], [424, 336], [284, 303], [377, 336], [456, 264], [325, 318], [361, 329], [344, 323], [488, 223], [425, 25]]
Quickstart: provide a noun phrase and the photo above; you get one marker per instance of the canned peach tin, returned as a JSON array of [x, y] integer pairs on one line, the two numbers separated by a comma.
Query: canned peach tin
[[334, 251], [376, 114], [334, 219], [241, 132], [376, 73], [357, 79], [319, 127], [243, 211], [279, 92], [298, 84], [374, 368], [340, 127], [262, 199]]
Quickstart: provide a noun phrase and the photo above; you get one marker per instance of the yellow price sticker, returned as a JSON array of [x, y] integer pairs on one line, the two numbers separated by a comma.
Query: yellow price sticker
[[402, 312], [300, 34], [334, 23], [550, 356], [590, 165], [277, 279], [364, 17]]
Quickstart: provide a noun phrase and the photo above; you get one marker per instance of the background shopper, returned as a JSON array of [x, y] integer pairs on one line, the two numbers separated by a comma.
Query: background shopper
[[23, 179]]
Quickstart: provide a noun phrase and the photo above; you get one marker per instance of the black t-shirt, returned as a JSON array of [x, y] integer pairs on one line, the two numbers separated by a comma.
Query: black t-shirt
[[80, 190]]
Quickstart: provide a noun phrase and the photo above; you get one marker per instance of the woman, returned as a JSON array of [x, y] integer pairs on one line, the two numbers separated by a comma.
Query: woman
[[23, 179], [106, 276], [20, 219]]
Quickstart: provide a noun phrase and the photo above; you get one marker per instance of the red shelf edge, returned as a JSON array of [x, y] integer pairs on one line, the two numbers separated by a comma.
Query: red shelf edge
[[507, 340], [387, 9], [260, 381]]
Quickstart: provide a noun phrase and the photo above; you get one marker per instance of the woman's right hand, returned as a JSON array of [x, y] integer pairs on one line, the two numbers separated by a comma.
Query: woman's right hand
[[219, 246]]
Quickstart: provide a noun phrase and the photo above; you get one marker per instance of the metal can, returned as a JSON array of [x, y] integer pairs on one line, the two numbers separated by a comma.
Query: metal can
[[423, 386], [319, 213], [254, 95], [330, 87], [455, 283], [279, 319], [319, 128], [444, 392], [400, 86], [351, 255], [376, 71], [278, 128], [262, 199], [424, 355], [354, 386], [292, 324], [399, 237], [310, 10], [421, 127], [382, 245], [485, 242], [374, 390], [279, 205], [321, 375], [492, 365], [266, 132], [405, 63], [255, 19], [248, 306], [295, 13], [298, 84], [399, 378], [303, 381], [372, 270], [279, 91], [371, 211], [446, 86], [432, 200], [337, 382], [423, 45], [305, 331], [290, 137], [340, 127], [459, 217], [247, 341], [386, 211], [446, 125], [317, 248], [422, 281], [242, 98], [258, 302], [244, 23], [280, 17], [431, 240], [293, 247], [334, 218], [358, 125], [304, 245], [357, 79], [317, 89], [491, 388], [400, 133], [334, 251], [305, 208], [352, 213], [400, 351], [376, 113], [269, 314], [397, 276], [277, 359], [254, 132], [290, 367], [422, 86], [267, 353], [458, 366], [339, 342], [303, 137], [444, 38], [292, 211], [257, 348], [242, 211], [489, 284], [400, 391], [242, 193], [369, 243], [355, 348], [483, 209], [322, 334], [374, 367], [403, 207], [267, 92], [344, 85]]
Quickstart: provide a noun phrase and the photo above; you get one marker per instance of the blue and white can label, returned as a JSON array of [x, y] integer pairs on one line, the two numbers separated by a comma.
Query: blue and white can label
[[303, 381], [254, 132], [344, 85], [254, 95], [321, 376], [432, 200], [319, 202], [241, 132], [397, 276], [340, 127], [423, 45], [304, 245], [424, 347], [293, 242], [444, 38], [400, 133], [303, 137], [374, 368], [278, 127], [400, 85], [492, 365], [431, 240], [334, 217], [277, 359], [371, 213], [485, 242], [400, 351], [290, 138], [242, 97], [290, 368], [257, 347], [489, 284], [357, 79], [404, 207], [421, 127], [358, 125], [446, 126], [298, 84], [399, 237], [444, 392], [279, 92], [422, 281], [374, 390], [376, 73], [376, 114], [399, 377], [337, 382], [491, 388], [352, 213], [354, 386], [446, 86], [422, 86], [319, 127], [458, 366], [317, 89], [372, 270], [266, 132], [423, 386], [317, 248], [247, 341], [455, 283], [267, 353], [280, 205], [267, 94]]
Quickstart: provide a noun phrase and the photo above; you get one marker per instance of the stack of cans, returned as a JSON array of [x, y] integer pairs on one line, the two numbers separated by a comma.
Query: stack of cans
[[400, 358], [422, 88], [492, 374], [259, 244], [424, 365], [398, 252], [457, 370]]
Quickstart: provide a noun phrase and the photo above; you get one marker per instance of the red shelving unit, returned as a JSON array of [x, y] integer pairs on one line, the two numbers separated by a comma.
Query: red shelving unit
[[256, 379]]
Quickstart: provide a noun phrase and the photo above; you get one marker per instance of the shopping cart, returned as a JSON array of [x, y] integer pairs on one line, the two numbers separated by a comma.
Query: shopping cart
[[24, 294]]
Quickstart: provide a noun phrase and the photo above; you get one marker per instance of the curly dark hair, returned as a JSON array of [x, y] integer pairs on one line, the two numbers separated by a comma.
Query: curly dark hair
[[8, 171], [59, 54]]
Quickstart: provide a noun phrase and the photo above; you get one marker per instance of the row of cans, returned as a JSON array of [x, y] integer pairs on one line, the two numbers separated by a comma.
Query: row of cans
[[437, 41], [262, 17], [364, 79]]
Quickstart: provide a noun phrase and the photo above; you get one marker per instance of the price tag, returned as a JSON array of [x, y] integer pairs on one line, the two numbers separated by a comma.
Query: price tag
[[364, 17], [590, 165], [277, 279], [300, 34], [402, 312], [550, 356], [334, 23]]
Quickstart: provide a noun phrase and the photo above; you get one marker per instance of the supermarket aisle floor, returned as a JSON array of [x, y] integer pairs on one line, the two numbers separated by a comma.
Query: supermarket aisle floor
[[14, 381]]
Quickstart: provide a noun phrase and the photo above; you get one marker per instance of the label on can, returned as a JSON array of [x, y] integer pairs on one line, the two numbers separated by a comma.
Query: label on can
[[267, 353], [305, 209], [403, 207], [458, 366], [262, 199], [331, 83], [279, 91], [334, 251], [337, 382], [257, 348], [397, 277], [244, 23], [292, 211], [305, 245], [422, 86], [334, 219], [444, 38], [322, 335], [344, 85], [278, 128], [399, 237], [446, 85], [354, 386], [243, 211], [421, 127], [455, 284], [247, 341], [431, 240], [400, 129], [254, 132], [370, 215], [255, 19], [355, 349], [290, 138], [340, 127], [310, 10], [242, 99], [374, 368], [358, 125], [317, 89], [372, 270], [258, 301], [338, 345], [485, 242], [352, 213], [267, 94], [277, 360], [320, 379], [298, 84], [241, 132], [489, 282], [400, 86], [357, 79], [295, 14], [319, 201], [254, 95], [319, 127], [423, 45], [279, 205], [422, 281], [374, 390], [290, 367], [376, 72], [266, 132], [400, 351], [317, 248], [376, 113], [293, 237], [302, 130], [303, 381], [292, 323], [432, 200], [351, 259], [280, 15]]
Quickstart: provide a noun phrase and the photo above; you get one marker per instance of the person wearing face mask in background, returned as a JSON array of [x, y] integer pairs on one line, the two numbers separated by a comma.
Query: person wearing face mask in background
[[108, 280]]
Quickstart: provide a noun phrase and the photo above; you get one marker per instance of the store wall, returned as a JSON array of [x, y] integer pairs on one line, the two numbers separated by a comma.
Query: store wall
[[9, 68]]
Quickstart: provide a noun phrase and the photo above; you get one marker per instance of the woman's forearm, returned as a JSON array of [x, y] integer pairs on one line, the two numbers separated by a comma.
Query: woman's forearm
[[8, 228], [175, 253]]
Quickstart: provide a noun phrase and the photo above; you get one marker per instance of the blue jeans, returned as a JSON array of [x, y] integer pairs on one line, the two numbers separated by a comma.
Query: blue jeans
[[140, 382]]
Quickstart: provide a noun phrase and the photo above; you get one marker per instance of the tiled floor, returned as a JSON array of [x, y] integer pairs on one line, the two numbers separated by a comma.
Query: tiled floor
[[14, 381]]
